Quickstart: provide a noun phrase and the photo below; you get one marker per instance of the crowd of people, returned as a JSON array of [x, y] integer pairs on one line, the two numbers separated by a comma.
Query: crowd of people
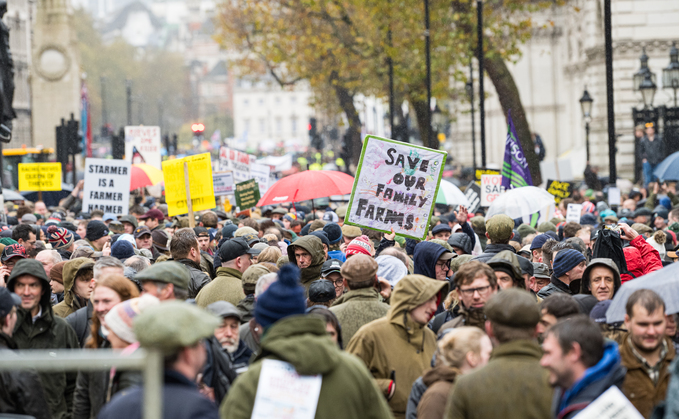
[[487, 318]]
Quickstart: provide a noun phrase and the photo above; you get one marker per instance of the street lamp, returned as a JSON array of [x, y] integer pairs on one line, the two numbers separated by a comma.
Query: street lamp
[[586, 106], [670, 75], [643, 71], [439, 121], [647, 89]]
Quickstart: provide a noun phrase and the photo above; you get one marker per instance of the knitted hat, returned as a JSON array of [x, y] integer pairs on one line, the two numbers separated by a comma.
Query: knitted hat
[[120, 318], [96, 230], [361, 244], [122, 249], [283, 298], [228, 230], [525, 230], [566, 260], [538, 241], [59, 237], [334, 232], [56, 273], [321, 235]]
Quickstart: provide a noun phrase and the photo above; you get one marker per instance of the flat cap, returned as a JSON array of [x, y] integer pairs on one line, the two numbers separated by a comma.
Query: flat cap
[[350, 231], [173, 325], [224, 309], [359, 268], [253, 273], [513, 307], [341, 211], [167, 272], [500, 228]]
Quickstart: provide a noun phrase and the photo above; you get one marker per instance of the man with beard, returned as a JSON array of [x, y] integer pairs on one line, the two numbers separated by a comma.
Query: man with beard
[[581, 364], [647, 352], [228, 335]]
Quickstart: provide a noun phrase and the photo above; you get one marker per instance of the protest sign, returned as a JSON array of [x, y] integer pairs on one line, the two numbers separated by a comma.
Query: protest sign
[[480, 171], [560, 190], [247, 194], [107, 186], [260, 173], [473, 194], [142, 145], [613, 196], [612, 404], [573, 213], [395, 187], [491, 188], [200, 181], [223, 183], [236, 161], [282, 392], [39, 176]]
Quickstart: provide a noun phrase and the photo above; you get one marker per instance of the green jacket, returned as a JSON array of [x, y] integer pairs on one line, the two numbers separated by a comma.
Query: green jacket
[[71, 302], [396, 345], [314, 246], [512, 385], [347, 391], [357, 308], [227, 286]]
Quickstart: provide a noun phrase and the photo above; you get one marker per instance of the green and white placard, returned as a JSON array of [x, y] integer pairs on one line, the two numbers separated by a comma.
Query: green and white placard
[[395, 187]]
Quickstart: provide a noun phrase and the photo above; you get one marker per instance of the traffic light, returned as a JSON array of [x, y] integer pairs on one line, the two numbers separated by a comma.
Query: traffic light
[[197, 128], [174, 143], [315, 139], [118, 145]]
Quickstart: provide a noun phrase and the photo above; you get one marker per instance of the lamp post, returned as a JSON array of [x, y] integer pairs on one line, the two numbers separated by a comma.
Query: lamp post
[[586, 106], [479, 56], [647, 89], [670, 74], [427, 46], [610, 110], [470, 92]]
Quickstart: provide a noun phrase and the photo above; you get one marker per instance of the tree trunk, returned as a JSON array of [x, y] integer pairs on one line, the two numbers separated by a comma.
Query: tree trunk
[[509, 97], [422, 123], [353, 135]]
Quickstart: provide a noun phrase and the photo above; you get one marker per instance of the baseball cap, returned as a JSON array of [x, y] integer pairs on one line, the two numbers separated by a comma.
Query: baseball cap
[[322, 291], [109, 217], [330, 266], [7, 301], [154, 213], [13, 250], [201, 232], [29, 219], [140, 231], [231, 249]]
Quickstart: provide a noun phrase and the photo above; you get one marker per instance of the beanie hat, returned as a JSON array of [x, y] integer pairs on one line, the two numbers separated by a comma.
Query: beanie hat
[[334, 232], [119, 320], [59, 237], [665, 202], [525, 230], [283, 298], [321, 235], [547, 226], [538, 241], [57, 272], [122, 249], [360, 244], [96, 230], [228, 230], [566, 260]]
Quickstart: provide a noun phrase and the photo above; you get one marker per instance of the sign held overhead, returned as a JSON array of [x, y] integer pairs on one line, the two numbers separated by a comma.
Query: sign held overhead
[[107, 186]]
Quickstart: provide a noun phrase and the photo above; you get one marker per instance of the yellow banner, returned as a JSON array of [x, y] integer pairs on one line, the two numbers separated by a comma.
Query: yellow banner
[[39, 176], [200, 181]]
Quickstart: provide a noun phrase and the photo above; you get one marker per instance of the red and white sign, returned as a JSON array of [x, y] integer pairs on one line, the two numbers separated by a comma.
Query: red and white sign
[[236, 161], [142, 145], [491, 188]]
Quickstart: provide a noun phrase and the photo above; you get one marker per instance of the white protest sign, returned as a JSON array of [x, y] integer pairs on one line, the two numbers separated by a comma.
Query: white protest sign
[[284, 394], [613, 196], [612, 404], [223, 183], [260, 173], [142, 145], [491, 188], [236, 161], [573, 213], [395, 187], [107, 186]]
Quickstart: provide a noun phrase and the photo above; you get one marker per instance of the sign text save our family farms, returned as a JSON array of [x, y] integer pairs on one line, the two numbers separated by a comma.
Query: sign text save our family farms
[[395, 187]]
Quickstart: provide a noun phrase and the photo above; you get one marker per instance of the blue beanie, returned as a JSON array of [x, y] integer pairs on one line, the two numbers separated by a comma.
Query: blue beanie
[[665, 202], [334, 232], [283, 298], [566, 260], [538, 241], [122, 249], [228, 230]]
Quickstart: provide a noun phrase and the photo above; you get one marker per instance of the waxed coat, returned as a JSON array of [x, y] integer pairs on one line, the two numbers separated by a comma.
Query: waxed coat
[[227, 286], [512, 385], [439, 382], [314, 246], [357, 308], [396, 345], [347, 390], [71, 302]]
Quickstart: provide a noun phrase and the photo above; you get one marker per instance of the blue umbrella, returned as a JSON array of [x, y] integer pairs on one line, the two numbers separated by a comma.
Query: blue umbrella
[[668, 169], [50, 198]]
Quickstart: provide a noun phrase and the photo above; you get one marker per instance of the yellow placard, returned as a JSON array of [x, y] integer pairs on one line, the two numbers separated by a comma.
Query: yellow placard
[[39, 176], [200, 181]]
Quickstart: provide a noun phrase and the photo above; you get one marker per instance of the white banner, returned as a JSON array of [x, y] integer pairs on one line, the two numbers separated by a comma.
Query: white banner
[[223, 183], [107, 186], [573, 213], [142, 145], [260, 173]]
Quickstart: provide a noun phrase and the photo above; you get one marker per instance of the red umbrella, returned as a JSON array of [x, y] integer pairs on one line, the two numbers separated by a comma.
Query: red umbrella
[[310, 184], [144, 175]]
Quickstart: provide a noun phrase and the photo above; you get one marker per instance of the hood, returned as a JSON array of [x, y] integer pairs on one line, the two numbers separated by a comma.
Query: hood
[[633, 259], [303, 342], [509, 261], [314, 246], [425, 257], [461, 241], [69, 273], [412, 291], [391, 268], [34, 268], [584, 283], [440, 373]]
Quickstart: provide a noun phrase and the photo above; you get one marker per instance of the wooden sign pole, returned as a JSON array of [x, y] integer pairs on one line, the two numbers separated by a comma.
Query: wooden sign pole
[[189, 203]]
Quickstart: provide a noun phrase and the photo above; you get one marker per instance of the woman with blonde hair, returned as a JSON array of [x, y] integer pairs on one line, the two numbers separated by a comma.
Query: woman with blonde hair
[[270, 254], [460, 351]]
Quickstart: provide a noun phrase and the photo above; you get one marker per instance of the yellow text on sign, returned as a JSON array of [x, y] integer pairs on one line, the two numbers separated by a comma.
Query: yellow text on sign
[[200, 181], [39, 176]]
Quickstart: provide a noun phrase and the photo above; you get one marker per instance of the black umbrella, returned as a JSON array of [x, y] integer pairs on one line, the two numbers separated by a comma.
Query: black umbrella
[[50, 198]]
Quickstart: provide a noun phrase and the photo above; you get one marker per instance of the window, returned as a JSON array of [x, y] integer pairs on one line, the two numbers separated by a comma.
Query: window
[[246, 102], [293, 125], [246, 125], [279, 125], [262, 126]]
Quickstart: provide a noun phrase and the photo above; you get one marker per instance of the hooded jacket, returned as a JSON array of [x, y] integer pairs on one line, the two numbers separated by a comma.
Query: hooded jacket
[[71, 302], [461, 241], [585, 287], [508, 261], [47, 332], [491, 250], [425, 258], [314, 246], [227, 286], [347, 391], [439, 381], [357, 308], [641, 259], [599, 378], [397, 346]]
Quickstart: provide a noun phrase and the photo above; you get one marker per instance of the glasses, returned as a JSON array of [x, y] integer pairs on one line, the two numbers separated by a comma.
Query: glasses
[[443, 264], [471, 291], [339, 282]]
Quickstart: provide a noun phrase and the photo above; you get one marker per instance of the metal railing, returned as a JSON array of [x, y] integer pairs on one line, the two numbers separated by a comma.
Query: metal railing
[[61, 360]]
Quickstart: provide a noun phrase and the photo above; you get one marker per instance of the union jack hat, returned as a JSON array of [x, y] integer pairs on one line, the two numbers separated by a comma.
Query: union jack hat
[[59, 237]]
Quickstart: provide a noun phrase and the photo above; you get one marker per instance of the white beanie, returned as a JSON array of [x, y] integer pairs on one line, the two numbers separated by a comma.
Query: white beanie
[[660, 247], [120, 318]]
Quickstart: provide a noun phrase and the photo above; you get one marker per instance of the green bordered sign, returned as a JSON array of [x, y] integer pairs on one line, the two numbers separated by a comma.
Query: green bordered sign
[[247, 194], [395, 187]]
